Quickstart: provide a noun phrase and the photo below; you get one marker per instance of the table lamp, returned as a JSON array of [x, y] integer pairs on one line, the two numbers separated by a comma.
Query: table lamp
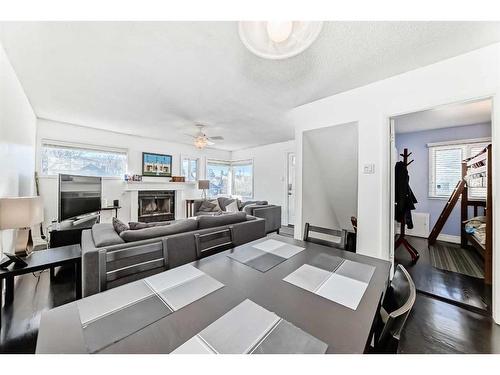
[[21, 213], [204, 185]]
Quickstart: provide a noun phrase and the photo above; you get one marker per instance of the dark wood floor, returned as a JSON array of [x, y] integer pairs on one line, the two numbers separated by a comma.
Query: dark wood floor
[[467, 291], [433, 326]]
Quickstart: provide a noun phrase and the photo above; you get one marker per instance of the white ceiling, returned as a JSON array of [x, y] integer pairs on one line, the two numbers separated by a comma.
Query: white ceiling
[[159, 78], [445, 116]]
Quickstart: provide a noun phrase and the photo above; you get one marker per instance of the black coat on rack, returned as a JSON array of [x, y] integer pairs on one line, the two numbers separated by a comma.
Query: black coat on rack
[[405, 203], [405, 199]]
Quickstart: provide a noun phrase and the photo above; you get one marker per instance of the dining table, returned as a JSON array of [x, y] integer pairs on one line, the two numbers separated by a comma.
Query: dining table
[[164, 313]]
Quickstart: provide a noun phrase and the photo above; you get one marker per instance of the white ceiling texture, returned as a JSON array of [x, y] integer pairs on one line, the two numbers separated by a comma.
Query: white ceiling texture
[[159, 78], [457, 114]]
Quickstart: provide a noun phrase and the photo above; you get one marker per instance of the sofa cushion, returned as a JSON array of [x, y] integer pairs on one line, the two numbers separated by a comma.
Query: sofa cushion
[[119, 225], [220, 220], [137, 225], [104, 234], [159, 231]]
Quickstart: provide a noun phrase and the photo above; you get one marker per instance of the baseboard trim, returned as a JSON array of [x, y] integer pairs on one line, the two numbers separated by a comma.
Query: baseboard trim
[[449, 238]]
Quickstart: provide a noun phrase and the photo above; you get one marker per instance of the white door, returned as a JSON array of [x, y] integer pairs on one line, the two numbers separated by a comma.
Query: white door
[[291, 189]]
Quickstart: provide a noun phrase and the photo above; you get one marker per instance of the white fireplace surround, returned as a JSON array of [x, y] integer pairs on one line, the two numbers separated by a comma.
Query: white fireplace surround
[[182, 190]]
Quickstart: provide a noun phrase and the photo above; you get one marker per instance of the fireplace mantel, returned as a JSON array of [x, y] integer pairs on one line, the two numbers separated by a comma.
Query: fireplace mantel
[[182, 190], [153, 185]]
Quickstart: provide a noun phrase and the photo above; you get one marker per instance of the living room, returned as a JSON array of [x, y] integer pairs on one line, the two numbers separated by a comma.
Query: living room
[[167, 184]]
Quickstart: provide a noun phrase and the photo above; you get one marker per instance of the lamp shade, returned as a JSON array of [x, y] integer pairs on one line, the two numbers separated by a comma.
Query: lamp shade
[[20, 212], [203, 184]]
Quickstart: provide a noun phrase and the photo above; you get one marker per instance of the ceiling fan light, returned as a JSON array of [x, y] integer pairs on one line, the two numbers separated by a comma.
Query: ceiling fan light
[[200, 142], [279, 31]]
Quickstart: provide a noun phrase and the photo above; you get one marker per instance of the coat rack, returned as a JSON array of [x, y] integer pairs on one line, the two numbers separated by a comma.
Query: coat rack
[[401, 239]]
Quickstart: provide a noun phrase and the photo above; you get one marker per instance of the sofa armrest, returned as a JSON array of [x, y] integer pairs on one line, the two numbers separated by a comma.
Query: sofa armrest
[[272, 216], [248, 231], [90, 265]]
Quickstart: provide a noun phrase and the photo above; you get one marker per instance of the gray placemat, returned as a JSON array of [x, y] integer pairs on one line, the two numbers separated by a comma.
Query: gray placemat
[[192, 290], [285, 338], [257, 259], [250, 328], [114, 327], [345, 285]]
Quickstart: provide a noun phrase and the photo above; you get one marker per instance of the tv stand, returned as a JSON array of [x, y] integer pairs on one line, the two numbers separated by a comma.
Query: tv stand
[[69, 236]]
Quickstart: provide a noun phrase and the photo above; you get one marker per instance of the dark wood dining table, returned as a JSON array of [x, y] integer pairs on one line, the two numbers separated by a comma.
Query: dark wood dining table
[[343, 329]]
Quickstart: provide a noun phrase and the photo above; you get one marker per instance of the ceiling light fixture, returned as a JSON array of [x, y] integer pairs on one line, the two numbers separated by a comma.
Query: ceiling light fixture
[[200, 142], [278, 40], [279, 31]]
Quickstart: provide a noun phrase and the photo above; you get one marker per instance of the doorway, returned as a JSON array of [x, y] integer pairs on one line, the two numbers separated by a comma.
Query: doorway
[[450, 225]]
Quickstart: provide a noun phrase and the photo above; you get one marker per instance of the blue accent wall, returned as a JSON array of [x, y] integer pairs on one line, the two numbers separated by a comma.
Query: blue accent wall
[[416, 143]]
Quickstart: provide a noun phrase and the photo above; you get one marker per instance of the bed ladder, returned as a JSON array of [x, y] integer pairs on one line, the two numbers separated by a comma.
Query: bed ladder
[[452, 201]]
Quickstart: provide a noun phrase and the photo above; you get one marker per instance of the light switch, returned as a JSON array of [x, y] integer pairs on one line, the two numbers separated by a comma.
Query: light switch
[[369, 169]]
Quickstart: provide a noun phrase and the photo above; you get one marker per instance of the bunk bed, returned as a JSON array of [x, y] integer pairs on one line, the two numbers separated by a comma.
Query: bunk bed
[[476, 172]]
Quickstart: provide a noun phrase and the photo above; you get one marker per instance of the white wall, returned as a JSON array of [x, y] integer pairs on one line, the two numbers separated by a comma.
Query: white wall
[[114, 188], [330, 160], [270, 173], [17, 140], [469, 76]]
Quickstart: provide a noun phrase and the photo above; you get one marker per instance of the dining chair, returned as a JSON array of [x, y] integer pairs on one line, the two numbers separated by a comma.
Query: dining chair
[[213, 242], [122, 266], [326, 236], [397, 305]]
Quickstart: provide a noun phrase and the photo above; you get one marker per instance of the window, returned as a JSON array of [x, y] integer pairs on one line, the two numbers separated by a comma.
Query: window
[[82, 160], [242, 172], [230, 178], [445, 167], [189, 167], [219, 175]]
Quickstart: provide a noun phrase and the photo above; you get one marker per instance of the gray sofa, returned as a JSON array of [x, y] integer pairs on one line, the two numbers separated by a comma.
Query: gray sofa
[[107, 255], [261, 209]]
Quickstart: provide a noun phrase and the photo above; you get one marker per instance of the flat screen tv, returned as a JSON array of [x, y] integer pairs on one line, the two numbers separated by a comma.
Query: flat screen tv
[[78, 196]]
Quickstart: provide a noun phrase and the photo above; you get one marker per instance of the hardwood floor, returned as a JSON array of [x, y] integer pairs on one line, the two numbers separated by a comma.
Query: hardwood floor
[[463, 290], [433, 326], [439, 327]]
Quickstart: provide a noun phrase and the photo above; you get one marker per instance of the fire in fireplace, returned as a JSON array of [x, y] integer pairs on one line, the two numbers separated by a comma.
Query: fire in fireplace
[[157, 205]]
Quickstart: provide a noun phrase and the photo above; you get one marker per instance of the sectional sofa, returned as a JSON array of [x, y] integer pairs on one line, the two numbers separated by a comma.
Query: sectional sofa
[[262, 209], [154, 249]]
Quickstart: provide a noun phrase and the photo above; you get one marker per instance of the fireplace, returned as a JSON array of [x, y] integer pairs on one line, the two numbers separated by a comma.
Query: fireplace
[[156, 205]]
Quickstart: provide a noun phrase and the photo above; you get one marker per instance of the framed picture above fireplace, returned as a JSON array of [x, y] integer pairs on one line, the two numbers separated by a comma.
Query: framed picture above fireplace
[[156, 165]]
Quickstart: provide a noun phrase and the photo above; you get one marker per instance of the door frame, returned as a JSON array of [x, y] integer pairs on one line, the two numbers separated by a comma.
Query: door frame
[[494, 140], [287, 175]]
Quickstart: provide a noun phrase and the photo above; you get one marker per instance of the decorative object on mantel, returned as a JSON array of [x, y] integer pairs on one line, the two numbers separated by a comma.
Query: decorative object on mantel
[[204, 185], [178, 179], [156, 165], [133, 177], [21, 213]]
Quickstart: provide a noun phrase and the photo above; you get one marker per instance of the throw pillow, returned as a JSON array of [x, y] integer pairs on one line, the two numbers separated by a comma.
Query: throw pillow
[[206, 206], [232, 207], [217, 207], [119, 225]]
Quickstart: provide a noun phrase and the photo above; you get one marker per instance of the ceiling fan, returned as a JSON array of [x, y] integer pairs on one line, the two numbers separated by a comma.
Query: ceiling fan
[[201, 140]]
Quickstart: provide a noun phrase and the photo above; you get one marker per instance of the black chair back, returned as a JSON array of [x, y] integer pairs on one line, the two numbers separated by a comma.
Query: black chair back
[[333, 234], [214, 242], [397, 305], [122, 266]]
